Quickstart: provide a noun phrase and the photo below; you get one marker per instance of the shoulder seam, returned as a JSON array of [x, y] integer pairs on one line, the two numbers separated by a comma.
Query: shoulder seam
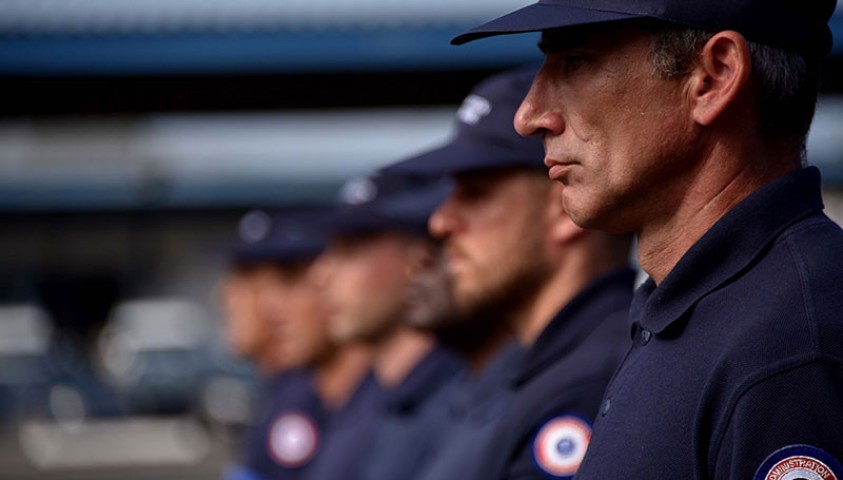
[[803, 289]]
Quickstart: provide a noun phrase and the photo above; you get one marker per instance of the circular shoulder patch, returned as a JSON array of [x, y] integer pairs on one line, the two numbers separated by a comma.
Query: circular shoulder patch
[[799, 462], [293, 439], [560, 445]]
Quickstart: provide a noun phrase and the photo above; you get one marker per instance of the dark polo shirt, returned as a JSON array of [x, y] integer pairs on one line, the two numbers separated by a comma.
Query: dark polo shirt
[[737, 366], [546, 427]]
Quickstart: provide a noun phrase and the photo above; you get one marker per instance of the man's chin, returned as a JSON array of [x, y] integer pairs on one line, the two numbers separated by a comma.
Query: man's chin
[[467, 300]]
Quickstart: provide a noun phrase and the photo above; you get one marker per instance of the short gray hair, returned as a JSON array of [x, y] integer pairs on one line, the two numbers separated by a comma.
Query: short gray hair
[[788, 82]]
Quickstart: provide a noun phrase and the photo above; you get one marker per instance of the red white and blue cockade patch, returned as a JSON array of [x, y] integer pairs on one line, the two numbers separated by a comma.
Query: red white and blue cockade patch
[[560, 445], [802, 462], [293, 439]]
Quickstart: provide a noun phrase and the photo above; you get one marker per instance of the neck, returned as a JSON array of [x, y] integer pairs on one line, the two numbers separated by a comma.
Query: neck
[[581, 261], [710, 192], [398, 353], [338, 377], [534, 316]]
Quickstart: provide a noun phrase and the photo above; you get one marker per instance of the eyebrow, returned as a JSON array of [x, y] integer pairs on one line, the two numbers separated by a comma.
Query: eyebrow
[[555, 43]]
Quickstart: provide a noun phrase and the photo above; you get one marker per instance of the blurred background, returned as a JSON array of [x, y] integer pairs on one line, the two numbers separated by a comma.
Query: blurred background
[[135, 133]]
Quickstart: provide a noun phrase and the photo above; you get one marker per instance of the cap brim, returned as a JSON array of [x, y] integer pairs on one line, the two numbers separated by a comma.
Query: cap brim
[[538, 17], [357, 223], [245, 255], [459, 157], [403, 212]]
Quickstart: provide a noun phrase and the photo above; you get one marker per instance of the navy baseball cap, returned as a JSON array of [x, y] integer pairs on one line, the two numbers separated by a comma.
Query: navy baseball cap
[[385, 202], [485, 137], [788, 24], [287, 237]]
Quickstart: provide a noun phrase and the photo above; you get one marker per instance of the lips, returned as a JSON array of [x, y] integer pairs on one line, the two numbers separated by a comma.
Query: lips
[[558, 170], [454, 260]]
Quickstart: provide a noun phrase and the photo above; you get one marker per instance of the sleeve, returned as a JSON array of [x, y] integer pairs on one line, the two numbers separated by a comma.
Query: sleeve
[[521, 467], [788, 422], [554, 450]]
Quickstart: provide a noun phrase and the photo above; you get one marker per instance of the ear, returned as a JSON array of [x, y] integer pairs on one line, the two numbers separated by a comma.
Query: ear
[[719, 75], [563, 230]]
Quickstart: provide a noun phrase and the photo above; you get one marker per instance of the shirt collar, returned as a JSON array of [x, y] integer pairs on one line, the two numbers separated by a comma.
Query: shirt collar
[[424, 380], [476, 387], [603, 297], [366, 399], [727, 249]]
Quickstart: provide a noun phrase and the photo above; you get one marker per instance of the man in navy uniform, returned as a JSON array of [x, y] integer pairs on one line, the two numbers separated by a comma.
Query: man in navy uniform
[[278, 314], [263, 245], [513, 251], [246, 330], [480, 333], [379, 233], [685, 122]]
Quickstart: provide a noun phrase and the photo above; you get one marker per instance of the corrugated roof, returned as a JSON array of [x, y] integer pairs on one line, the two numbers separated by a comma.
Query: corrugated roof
[[138, 37]]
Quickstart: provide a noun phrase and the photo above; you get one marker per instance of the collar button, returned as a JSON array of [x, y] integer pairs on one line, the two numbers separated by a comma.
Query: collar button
[[607, 404]]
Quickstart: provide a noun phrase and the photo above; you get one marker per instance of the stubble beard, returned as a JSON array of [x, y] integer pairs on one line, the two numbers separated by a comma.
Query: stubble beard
[[502, 298]]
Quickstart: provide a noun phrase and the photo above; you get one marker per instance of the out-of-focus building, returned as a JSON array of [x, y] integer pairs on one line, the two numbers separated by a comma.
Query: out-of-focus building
[[134, 134]]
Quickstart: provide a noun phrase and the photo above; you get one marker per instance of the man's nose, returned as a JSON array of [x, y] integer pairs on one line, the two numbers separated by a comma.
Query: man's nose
[[539, 113], [525, 116], [440, 222]]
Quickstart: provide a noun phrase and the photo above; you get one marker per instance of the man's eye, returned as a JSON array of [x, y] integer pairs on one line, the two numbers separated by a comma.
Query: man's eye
[[472, 191], [572, 62]]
